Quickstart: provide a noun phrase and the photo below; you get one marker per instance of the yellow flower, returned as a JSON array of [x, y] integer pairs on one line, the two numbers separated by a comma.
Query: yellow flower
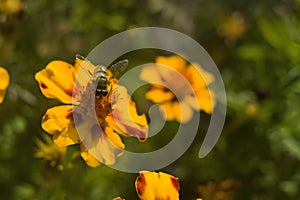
[[178, 100], [50, 152], [156, 186], [233, 27], [152, 185], [57, 81], [11, 6], [4, 81]]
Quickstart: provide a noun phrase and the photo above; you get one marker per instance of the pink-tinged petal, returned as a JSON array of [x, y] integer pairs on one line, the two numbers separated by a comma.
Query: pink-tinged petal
[[58, 121], [4, 78], [154, 186], [125, 119], [57, 81]]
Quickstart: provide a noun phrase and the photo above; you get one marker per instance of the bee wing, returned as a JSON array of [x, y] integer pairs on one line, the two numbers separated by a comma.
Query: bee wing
[[84, 75], [118, 67]]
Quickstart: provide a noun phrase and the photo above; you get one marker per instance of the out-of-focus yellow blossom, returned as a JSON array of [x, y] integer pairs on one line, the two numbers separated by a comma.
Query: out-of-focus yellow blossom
[[4, 81], [11, 6], [57, 81], [223, 190], [233, 27], [252, 109], [50, 152], [188, 90]]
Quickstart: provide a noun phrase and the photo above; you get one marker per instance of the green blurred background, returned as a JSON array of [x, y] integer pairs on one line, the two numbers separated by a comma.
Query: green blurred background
[[256, 46]]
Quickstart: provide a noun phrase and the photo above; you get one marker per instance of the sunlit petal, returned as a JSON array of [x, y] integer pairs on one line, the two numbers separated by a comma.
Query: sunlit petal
[[206, 100], [198, 76], [152, 185], [58, 121], [168, 111], [158, 95], [104, 145], [125, 118], [175, 62], [118, 198], [88, 158], [4, 81], [57, 81]]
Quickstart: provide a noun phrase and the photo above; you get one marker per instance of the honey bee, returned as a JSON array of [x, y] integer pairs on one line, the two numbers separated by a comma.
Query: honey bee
[[101, 75]]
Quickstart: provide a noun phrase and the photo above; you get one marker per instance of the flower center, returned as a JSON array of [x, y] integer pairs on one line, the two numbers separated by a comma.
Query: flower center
[[102, 106]]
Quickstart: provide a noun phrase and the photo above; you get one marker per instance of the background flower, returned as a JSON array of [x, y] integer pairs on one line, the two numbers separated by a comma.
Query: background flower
[[180, 88], [4, 81]]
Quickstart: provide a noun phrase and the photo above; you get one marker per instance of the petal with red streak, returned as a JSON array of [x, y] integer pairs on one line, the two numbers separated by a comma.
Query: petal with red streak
[[125, 119], [152, 185], [57, 80]]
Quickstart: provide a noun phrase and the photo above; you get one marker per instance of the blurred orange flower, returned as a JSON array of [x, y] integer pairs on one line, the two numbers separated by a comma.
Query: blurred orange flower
[[4, 81], [57, 81], [187, 89]]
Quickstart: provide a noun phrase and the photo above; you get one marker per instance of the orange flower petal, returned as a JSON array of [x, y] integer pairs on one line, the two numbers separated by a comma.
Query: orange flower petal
[[168, 111], [199, 78], [4, 81], [175, 62], [88, 158], [206, 100], [158, 95], [57, 80], [58, 121], [152, 185]]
